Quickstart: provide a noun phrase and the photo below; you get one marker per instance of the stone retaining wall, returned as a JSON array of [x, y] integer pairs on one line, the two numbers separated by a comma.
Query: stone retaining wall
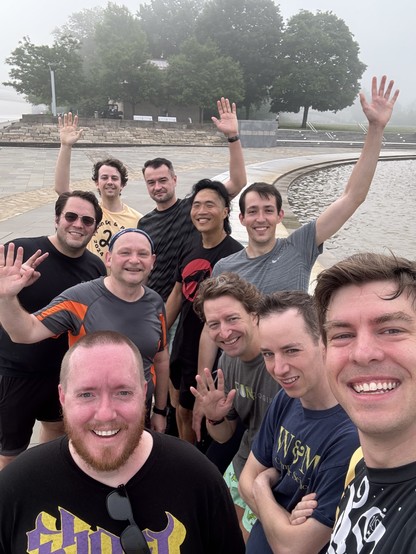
[[120, 132]]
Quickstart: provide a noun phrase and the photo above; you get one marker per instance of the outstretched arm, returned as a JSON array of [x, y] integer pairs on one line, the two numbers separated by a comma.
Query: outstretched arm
[[378, 113], [14, 276], [69, 134], [228, 124]]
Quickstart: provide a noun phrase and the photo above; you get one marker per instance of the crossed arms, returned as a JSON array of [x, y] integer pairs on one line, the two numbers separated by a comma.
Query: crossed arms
[[286, 533]]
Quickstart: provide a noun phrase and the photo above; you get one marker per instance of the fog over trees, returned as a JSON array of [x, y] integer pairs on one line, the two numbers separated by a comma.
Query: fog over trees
[[238, 48]]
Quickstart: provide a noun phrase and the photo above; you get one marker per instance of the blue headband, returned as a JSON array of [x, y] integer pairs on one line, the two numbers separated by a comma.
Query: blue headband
[[130, 230]]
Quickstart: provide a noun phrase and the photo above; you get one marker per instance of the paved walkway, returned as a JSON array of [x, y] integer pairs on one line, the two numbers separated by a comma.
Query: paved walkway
[[27, 178]]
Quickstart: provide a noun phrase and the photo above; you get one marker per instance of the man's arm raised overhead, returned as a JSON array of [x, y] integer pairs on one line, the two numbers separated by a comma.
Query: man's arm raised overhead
[[378, 114]]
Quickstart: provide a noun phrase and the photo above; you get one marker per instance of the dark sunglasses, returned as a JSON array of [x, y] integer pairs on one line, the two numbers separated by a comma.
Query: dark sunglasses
[[86, 219], [119, 508]]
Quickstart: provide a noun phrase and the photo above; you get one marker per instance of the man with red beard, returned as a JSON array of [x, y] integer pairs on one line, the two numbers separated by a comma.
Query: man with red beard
[[111, 486]]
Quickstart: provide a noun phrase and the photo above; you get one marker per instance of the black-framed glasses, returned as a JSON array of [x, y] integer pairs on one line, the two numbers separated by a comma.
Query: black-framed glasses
[[119, 507], [87, 220]]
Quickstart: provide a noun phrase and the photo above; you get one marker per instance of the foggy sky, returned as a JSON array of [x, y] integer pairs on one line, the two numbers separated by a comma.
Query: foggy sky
[[385, 31]]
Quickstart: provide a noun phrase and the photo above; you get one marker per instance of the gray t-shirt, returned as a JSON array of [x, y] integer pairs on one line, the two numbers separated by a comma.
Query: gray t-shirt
[[286, 267], [255, 392]]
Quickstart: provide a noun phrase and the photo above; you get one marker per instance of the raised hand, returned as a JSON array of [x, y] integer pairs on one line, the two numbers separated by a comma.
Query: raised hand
[[14, 274], [212, 399], [379, 111], [228, 122], [69, 133]]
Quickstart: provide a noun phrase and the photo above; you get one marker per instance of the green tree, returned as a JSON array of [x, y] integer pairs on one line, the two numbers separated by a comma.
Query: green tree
[[81, 26], [169, 23], [319, 66], [122, 56], [199, 75], [250, 32], [30, 71]]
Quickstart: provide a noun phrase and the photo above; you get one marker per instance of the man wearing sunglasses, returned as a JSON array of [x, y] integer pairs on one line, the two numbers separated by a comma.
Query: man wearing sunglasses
[[109, 485], [29, 373], [110, 177]]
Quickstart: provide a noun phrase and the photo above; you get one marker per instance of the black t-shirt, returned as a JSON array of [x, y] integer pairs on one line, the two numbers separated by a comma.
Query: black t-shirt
[[377, 512], [193, 269], [173, 235], [58, 272], [179, 500]]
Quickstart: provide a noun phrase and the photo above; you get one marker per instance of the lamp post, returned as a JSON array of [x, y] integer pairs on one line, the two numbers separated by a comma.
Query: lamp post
[[53, 105]]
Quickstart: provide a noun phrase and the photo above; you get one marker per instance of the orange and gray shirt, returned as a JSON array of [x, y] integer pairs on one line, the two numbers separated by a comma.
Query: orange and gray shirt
[[90, 307]]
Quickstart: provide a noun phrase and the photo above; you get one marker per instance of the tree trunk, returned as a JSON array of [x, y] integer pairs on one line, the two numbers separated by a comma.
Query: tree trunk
[[201, 115], [248, 112], [305, 117]]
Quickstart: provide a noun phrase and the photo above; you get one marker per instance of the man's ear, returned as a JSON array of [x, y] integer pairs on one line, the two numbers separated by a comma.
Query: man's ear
[[107, 259], [61, 394]]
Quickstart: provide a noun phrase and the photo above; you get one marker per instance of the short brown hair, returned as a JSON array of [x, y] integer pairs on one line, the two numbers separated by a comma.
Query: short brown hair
[[363, 268], [265, 191], [227, 284], [280, 302], [112, 162]]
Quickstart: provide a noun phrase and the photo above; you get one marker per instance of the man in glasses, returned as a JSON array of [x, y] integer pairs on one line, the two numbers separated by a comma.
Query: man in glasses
[[110, 177], [29, 373], [120, 302], [110, 485]]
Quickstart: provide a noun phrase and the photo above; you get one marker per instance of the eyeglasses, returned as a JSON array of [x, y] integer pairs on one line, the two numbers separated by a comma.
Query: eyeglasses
[[119, 508], [86, 219]]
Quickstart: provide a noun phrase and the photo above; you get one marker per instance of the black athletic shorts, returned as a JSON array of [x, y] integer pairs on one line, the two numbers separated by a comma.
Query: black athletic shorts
[[22, 402], [182, 376]]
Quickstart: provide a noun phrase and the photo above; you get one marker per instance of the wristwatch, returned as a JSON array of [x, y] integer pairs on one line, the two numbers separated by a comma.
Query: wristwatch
[[233, 139], [158, 411]]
